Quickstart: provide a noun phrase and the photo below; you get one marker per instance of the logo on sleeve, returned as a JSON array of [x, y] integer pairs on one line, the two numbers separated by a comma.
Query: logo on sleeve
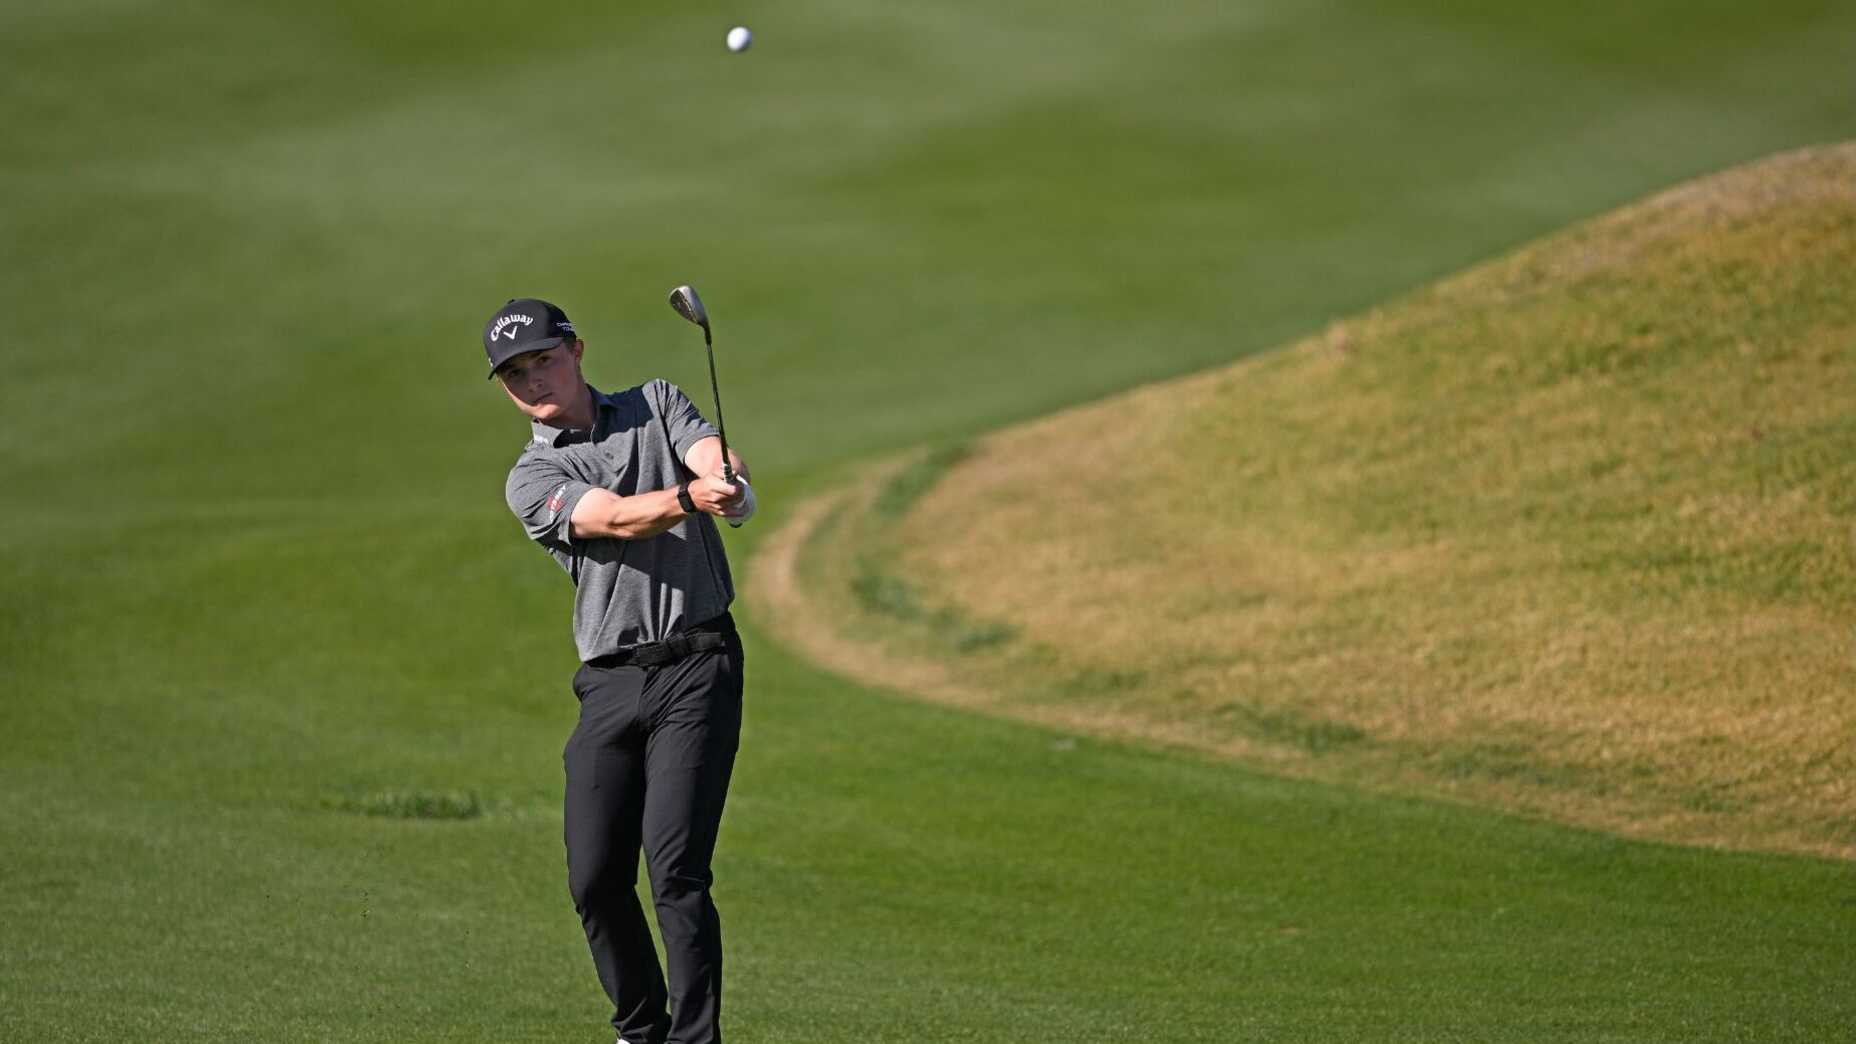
[[555, 500], [508, 325]]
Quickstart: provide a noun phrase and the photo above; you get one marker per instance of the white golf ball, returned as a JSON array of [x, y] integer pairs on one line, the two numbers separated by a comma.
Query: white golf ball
[[739, 38]]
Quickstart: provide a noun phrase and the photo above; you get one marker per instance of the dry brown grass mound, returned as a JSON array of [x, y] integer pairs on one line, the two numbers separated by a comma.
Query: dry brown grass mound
[[1573, 533]]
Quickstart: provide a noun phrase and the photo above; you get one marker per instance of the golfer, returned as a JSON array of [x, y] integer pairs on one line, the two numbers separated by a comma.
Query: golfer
[[623, 490]]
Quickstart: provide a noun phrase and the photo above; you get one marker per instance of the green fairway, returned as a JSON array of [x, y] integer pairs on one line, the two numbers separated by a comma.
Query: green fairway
[[259, 580], [892, 873]]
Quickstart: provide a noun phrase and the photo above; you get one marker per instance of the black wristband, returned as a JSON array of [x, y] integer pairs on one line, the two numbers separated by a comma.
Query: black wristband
[[684, 500]]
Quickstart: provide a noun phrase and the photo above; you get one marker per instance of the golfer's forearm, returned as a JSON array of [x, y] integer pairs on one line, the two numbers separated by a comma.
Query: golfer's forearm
[[705, 458], [603, 513]]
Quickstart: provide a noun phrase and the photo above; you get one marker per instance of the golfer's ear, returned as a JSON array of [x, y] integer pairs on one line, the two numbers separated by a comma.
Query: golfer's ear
[[578, 348]]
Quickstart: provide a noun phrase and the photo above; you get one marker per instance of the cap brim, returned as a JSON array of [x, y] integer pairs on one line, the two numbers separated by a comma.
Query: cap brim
[[497, 361]]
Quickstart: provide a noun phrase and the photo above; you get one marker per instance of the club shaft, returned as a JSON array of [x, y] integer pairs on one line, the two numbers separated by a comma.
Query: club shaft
[[715, 388]]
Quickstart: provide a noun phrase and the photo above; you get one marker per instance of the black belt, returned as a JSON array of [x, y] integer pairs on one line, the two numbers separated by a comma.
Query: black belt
[[702, 637]]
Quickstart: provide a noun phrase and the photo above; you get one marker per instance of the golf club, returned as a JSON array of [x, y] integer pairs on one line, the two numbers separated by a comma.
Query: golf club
[[689, 306]]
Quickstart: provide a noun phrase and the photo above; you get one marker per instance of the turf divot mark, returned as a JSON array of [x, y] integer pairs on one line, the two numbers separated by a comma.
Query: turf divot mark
[[410, 803]]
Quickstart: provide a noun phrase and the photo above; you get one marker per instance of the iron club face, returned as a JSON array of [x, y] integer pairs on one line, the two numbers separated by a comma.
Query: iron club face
[[689, 306]]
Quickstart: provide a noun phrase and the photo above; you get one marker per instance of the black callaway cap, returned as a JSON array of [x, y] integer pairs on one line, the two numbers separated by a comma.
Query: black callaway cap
[[526, 324]]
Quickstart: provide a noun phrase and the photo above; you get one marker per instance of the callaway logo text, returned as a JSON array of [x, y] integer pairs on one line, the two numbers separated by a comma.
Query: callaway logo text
[[506, 325]]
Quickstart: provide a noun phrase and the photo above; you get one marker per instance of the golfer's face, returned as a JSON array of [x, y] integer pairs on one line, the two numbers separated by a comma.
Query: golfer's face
[[543, 384]]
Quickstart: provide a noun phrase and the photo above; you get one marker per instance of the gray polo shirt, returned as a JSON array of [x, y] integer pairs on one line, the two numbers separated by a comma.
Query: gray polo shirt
[[626, 592]]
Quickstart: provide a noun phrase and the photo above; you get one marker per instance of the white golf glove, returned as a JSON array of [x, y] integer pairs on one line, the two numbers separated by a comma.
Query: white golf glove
[[746, 511]]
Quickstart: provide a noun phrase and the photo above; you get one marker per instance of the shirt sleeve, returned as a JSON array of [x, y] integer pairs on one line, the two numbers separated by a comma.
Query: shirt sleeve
[[543, 496], [686, 426]]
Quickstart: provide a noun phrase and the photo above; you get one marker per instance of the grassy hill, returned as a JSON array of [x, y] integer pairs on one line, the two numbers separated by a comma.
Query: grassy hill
[[1571, 533]]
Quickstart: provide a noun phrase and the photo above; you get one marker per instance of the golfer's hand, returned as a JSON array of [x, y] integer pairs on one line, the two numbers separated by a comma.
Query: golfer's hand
[[744, 509], [715, 495]]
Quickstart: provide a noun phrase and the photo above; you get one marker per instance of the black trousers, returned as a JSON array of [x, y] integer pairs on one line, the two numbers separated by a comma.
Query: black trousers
[[648, 767]]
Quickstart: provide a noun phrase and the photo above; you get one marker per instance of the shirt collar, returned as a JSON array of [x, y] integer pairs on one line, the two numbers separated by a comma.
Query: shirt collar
[[553, 436]]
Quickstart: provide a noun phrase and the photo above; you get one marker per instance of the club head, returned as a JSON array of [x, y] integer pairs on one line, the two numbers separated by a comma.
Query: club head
[[689, 306]]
